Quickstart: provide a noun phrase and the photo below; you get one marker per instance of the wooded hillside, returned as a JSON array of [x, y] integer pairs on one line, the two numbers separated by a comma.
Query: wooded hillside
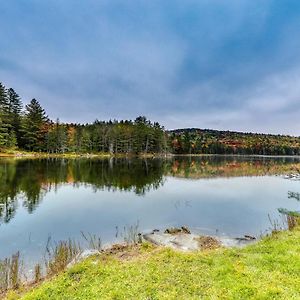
[[207, 141]]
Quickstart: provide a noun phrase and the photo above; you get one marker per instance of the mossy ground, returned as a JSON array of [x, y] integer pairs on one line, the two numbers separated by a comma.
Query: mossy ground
[[269, 269]]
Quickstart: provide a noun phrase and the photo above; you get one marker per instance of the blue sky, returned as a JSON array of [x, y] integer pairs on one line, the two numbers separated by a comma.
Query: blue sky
[[208, 63]]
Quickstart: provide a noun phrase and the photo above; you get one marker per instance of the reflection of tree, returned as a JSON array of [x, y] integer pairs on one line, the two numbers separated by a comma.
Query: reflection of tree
[[292, 213], [32, 178], [230, 166], [294, 195], [8, 192], [7, 210], [134, 175], [291, 195]]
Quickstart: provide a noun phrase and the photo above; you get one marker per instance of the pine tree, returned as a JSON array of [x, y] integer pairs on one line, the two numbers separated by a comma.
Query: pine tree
[[3, 136], [15, 112], [4, 125], [34, 126], [57, 138], [140, 135]]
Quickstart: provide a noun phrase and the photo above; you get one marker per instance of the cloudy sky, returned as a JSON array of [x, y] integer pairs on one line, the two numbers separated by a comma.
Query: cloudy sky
[[195, 63]]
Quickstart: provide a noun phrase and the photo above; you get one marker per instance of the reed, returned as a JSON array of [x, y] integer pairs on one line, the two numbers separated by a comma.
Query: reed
[[131, 234], [10, 272], [292, 221], [60, 255], [38, 273], [94, 242]]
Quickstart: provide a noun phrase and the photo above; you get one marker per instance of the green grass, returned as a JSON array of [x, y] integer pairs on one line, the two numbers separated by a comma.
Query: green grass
[[269, 269]]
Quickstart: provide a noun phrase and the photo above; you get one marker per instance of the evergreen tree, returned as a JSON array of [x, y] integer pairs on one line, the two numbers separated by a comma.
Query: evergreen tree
[[140, 136], [34, 126], [57, 138], [4, 115], [3, 136], [15, 113]]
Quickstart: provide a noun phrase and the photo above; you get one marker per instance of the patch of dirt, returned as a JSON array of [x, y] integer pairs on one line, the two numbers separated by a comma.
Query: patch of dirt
[[208, 242], [123, 251], [116, 248]]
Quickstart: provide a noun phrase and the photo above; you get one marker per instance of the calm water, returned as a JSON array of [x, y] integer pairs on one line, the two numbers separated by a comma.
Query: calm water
[[213, 195]]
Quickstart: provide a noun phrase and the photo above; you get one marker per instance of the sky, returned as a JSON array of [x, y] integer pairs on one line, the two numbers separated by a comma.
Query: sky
[[220, 64]]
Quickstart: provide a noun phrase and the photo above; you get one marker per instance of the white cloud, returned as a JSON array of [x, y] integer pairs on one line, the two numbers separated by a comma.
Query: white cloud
[[197, 64]]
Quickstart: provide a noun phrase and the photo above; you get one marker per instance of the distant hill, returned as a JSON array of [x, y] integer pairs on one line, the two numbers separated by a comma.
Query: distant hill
[[224, 132], [209, 141]]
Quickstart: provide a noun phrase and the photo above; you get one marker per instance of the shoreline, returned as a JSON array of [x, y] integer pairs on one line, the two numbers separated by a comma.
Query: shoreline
[[24, 154], [143, 259], [80, 155]]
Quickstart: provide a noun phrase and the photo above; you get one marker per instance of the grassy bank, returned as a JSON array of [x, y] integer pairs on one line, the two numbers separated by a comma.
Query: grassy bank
[[269, 269]]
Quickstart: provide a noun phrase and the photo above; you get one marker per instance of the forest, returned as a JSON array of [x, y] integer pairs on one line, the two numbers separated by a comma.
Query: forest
[[207, 141], [29, 128]]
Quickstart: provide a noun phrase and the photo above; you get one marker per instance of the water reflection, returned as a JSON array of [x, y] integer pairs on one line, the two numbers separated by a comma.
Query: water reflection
[[231, 166], [30, 179], [293, 195]]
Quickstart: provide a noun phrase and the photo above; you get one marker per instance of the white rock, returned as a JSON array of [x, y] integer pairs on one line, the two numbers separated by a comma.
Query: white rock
[[83, 255]]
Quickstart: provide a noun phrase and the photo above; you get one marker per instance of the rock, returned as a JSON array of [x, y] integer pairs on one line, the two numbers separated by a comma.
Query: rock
[[83, 255], [184, 241], [180, 241], [229, 242], [185, 230], [295, 176], [174, 230]]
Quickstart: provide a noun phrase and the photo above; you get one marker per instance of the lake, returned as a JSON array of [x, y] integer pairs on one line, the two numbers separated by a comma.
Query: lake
[[60, 198]]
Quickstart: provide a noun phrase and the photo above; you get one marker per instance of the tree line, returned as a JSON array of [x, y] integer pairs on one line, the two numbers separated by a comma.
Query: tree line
[[206, 141], [29, 128]]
